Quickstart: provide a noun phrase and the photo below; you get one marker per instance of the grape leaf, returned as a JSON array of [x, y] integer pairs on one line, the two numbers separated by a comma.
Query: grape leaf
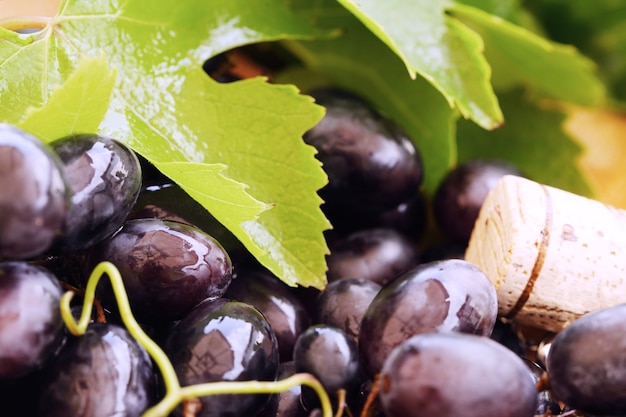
[[165, 107], [533, 138], [596, 28], [518, 56], [359, 62], [510, 10], [439, 48], [78, 106]]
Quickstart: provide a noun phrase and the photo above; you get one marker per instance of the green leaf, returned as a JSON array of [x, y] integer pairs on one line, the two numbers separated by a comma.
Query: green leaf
[[519, 56], [437, 47], [597, 28], [359, 62], [195, 176], [245, 138], [77, 106], [510, 10], [533, 138]]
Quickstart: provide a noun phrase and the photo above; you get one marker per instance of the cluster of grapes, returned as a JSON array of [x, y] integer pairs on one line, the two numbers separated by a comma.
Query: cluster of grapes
[[400, 329]]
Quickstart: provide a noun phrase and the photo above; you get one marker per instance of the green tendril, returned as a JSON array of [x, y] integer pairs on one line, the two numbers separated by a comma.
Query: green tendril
[[174, 392]]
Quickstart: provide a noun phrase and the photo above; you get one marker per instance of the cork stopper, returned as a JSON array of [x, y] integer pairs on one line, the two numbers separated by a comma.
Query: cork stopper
[[551, 255]]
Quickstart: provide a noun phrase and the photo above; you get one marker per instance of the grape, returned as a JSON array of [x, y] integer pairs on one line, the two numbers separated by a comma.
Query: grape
[[462, 192], [330, 355], [586, 363], [31, 329], [452, 374], [343, 303], [370, 162], [224, 340], [34, 196], [167, 267], [375, 254], [445, 295], [103, 372], [163, 199], [105, 179], [283, 310]]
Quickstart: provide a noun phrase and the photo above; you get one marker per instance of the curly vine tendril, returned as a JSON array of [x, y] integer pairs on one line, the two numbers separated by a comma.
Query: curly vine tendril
[[174, 392]]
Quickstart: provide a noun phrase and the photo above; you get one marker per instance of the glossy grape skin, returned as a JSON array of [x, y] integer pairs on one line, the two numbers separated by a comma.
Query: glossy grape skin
[[167, 268], [105, 179], [330, 355], [379, 255], [455, 375], [224, 340], [370, 162], [274, 299], [102, 373], [461, 193], [586, 363], [343, 304], [31, 328], [447, 295], [163, 199], [34, 196]]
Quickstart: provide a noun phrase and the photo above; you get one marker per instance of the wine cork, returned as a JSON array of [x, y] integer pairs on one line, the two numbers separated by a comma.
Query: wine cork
[[552, 255]]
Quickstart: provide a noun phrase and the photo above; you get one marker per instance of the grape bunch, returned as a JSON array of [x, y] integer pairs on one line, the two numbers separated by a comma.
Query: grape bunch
[[185, 322]]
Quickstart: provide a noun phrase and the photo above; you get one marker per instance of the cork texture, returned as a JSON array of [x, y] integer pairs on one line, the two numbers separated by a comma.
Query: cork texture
[[552, 255]]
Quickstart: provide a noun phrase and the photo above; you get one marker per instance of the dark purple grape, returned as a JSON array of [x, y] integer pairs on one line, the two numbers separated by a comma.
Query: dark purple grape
[[343, 304], [167, 268], [287, 403], [461, 194], [34, 196], [224, 340], [103, 373], [31, 328], [105, 179], [331, 356], [455, 375], [586, 363], [378, 255], [278, 303], [447, 295], [371, 163], [163, 199]]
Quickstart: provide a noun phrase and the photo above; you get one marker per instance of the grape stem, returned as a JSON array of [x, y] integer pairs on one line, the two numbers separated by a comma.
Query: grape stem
[[174, 392]]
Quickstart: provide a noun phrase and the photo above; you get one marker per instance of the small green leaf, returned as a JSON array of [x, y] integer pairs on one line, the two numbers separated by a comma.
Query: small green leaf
[[240, 207], [439, 48], [533, 138], [78, 106], [519, 56]]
